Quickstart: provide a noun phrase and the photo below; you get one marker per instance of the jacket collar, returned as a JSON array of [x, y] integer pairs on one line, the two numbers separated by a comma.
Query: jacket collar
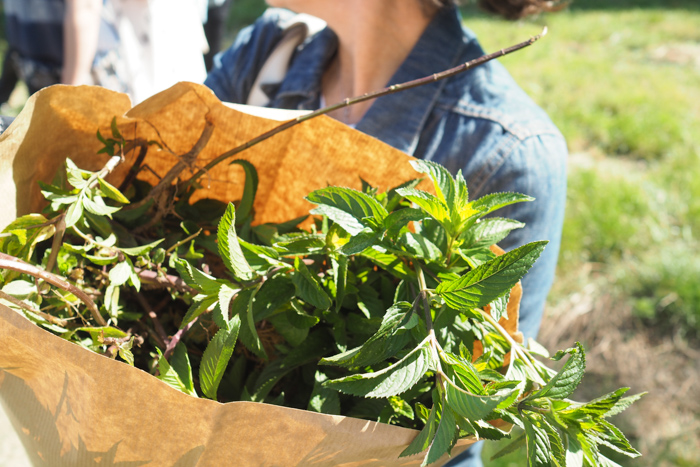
[[396, 119]]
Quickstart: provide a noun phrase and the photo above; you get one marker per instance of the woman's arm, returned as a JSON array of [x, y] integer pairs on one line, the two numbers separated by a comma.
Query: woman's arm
[[81, 27]]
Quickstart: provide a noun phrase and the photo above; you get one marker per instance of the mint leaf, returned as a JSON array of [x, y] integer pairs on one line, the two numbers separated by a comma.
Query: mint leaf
[[489, 203], [180, 362], [444, 436], [353, 203], [422, 441], [230, 249], [567, 380], [442, 179], [538, 450], [216, 357], [491, 280], [472, 406], [390, 381], [308, 287], [245, 207], [432, 205]]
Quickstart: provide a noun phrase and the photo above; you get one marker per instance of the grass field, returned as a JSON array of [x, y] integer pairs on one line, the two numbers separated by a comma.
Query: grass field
[[621, 79]]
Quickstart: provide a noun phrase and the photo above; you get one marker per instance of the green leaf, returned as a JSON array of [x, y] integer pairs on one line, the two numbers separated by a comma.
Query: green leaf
[[623, 403], [76, 176], [141, 250], [489, 232], [518, 443], [120, 274], [74, 212], [389, 262], [538, 450], [564, 383], [390, 381], [384, 344], [489, 203], [472, 406], [600, 406], [442, 179], [230, 249], [323, 400], [221, 312], [216, 357], [491, 280], [308, 288], [243, 307], [421, 247], [360, 242], [340, 277], [168, 375], [396, 222], [180, 362], [353, 203], [111, 192], [299, 318], [432, 205], [422, 441], [199, 306], [196, 278], [444, 437], [612, 437], [245, 207], [499, 307]]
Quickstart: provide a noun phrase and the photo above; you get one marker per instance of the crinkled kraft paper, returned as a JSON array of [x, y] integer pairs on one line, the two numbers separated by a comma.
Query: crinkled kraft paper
[[71, 407]]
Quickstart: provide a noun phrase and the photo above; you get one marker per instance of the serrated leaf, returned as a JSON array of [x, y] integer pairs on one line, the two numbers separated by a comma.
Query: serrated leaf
[[489, 232], [428, 203], [168, 375], [197, 308], [221, 312], [567, 380], [538, 450], [397, 221], [623, 403], [422, 441], [444, 437], [389, 262], [499, 307], [360, 242], [390, 381], [245, 207], [299, 318], [489, 203], [216, 357], [384, 344], [308, 288], [487, 282], [421, 247], [229, 248], [611, 436], [353, 203], [600, 406], [180, 362], [472, 406], [76, 176], [196, 278], [442, 179], [517, 443]]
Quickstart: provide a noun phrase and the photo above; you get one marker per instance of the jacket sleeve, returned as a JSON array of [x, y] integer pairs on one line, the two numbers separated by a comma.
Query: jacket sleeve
[[536, 167], [236, 68]]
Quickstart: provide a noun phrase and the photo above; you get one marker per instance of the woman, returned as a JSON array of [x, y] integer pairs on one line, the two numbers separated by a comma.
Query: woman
[[478, 121]]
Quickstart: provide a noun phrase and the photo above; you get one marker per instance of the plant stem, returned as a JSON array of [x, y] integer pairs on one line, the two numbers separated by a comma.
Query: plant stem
[[24, 306], [15, 264], [514, 346], [57, 241], [183, 241], [365, 97]]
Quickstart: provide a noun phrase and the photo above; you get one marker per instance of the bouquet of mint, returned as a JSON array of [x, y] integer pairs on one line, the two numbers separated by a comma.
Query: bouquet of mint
[[388, 306]]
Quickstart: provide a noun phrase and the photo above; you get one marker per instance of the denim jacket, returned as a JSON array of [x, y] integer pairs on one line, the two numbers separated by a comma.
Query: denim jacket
[[479, 121]]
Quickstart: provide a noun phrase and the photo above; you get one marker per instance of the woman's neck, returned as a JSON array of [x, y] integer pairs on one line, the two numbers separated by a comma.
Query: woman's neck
[[374, 37]]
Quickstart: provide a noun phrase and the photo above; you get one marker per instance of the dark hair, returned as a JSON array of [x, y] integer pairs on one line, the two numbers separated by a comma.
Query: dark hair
[[509, 9]]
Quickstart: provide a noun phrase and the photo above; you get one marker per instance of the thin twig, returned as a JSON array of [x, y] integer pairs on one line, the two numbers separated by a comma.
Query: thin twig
[[161, 337], [152, 277], [24, 306], [176, 338], [57, 241], [15, 264], [365, 97], [182, 242]]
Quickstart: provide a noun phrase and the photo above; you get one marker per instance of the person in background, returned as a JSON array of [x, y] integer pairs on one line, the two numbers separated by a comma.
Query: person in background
[[214, 28], [479, 121]]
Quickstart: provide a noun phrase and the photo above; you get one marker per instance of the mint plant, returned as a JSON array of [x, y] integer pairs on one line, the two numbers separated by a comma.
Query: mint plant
[[373, 311]]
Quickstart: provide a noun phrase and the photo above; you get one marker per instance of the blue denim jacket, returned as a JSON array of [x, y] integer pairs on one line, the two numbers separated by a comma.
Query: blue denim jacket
[[479, 121]]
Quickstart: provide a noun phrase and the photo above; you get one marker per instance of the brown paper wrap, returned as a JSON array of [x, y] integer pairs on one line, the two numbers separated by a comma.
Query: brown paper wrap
[[71, 407]]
